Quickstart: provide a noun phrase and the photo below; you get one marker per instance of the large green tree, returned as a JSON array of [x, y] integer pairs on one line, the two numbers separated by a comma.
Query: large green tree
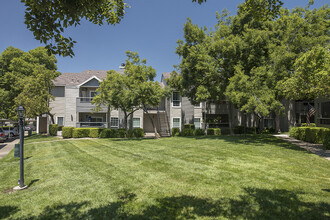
[[132, 90], [27, 79]]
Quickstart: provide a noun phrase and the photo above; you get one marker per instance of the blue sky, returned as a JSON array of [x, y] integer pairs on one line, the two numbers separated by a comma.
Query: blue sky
[[150, 27]]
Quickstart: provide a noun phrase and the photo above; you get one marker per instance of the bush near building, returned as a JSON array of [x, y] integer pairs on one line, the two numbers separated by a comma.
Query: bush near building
[[316, 135], [53, 129], [214, 131], [80, 132], [67, 132]]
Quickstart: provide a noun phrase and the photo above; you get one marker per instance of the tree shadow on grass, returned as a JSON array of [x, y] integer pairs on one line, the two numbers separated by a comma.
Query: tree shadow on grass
[[254, 203], [6, 211], [253, 140]]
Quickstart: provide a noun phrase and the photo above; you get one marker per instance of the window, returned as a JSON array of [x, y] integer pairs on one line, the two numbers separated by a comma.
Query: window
[[325, 109], [176, 123], [197, 123], [176, 99], [136, 122], [60, 121], [93, 93], [114, 122], [199, 105]]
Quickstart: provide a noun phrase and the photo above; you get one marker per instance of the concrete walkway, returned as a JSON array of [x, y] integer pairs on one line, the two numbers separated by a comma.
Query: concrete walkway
[[6, 147], [313, 148]]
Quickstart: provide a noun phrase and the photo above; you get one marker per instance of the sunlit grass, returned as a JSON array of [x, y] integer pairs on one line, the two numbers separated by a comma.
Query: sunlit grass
[[260, 177]]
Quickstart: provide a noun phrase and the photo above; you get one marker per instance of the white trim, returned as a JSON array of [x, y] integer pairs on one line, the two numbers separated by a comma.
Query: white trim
[[59, 117], [173, 123], [200, 122], [140, 122], [114, 126], [176, 100], [93, 77]]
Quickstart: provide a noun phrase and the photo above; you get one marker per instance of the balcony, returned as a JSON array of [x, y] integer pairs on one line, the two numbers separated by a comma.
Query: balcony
[[84, 104], [91, 124]]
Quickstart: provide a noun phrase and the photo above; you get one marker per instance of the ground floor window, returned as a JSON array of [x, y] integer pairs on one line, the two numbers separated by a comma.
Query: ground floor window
[[60, 121], [114, 122], [197, 123], [136, 123], [176, 122]]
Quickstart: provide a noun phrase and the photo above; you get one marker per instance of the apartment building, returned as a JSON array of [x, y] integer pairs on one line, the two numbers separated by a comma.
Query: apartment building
[[74, 92]]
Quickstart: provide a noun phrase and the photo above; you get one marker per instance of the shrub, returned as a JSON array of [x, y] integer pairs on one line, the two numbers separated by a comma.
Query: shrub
[[105, 133], [251, 130], [60, 127], [294, 132], [189, 126], [213, 131], [175, 132], [187, 132], [326, 139], [199, 132], [302, 133], [138, 132], [225, 131], [109, 133], [310, 125], [239, 130], [67, 132], [121, 132], [130, 133], [80, 132], [95, 132], [53, 129]]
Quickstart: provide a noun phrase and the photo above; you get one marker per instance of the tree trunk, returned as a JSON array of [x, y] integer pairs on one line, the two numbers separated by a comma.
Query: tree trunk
[[51, 117], [153, 124], [277, 123], [108, 116], [230, 108], [125, 122]]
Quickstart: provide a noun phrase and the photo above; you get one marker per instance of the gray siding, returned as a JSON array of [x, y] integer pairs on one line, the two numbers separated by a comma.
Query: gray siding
[[92, 83], [58, 91], [187, 111]]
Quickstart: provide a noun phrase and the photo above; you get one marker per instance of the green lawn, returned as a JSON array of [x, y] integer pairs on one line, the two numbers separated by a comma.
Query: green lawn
[[260, 177]]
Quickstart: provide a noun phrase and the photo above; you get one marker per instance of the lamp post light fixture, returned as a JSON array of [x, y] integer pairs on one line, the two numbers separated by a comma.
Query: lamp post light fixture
[[21, 116]]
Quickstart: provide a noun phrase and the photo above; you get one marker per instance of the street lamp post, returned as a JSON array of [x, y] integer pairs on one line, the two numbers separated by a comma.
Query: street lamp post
[[21, 115]]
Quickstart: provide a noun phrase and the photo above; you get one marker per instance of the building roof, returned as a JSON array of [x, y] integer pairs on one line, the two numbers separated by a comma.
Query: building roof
[[166, 75], [75, 79]]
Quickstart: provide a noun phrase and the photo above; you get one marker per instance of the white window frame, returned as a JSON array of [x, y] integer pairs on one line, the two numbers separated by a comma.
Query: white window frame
[[179, 122], [176, 100], [200, 122], [57, 120], [114, 126], [133, 120]]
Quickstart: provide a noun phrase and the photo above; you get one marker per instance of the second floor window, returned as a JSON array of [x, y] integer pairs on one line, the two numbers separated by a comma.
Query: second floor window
[[176, 99]]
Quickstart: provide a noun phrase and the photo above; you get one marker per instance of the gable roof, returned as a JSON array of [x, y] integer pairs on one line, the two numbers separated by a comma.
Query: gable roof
[[76, 79]]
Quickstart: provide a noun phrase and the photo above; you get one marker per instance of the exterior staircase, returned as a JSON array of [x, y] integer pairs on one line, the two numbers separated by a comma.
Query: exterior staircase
[[164, 130]]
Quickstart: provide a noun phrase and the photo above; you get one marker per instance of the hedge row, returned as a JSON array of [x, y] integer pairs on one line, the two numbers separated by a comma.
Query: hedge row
[[120, 133], [317, 135], [71, 132], [214, 131]]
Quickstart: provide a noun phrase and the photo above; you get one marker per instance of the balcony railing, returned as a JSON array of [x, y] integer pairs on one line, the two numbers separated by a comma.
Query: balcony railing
[[91, 124], [84, 99]]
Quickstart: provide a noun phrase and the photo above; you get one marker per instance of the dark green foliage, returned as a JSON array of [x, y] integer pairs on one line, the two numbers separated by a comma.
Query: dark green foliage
[[53, 129], [317, 135], [249, 130], [67, 132], [310, 125], [95, 132], [80, 132], [326, 139], [187, 132], [294, 132], [213, 131], [175, 132], [225, 131], [138, 132], [121, 132], [109, 133], [189, 126], [130, 133], [59, 128], [199, 132]]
